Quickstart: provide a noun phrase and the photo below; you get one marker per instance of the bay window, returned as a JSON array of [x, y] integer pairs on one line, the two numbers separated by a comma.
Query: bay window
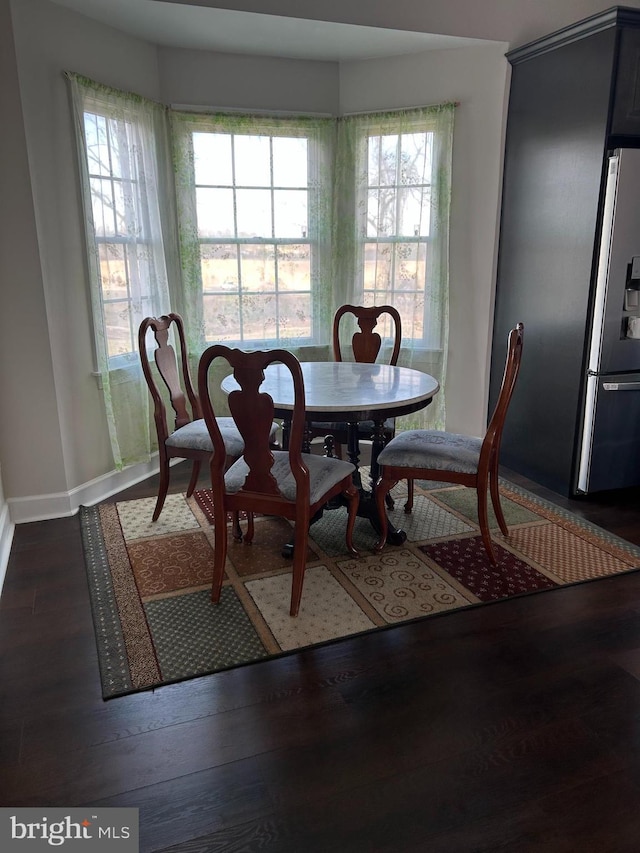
[[264, 227]]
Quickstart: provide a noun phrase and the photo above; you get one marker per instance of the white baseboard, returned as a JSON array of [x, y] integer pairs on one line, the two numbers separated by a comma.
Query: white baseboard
[[6, 538], [60, 504]]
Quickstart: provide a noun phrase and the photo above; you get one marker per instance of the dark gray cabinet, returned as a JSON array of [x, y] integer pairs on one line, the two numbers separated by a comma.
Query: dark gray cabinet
[[626, 104], [574, 95]]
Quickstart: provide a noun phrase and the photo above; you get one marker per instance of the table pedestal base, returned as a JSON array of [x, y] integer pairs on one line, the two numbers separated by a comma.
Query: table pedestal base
[[366, 509], [367, 506]]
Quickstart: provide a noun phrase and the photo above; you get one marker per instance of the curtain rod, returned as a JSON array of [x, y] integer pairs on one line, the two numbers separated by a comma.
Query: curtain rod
[[400, 109], [197, 108]]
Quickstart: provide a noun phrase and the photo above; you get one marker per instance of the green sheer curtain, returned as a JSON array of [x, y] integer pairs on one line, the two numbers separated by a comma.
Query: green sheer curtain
[[320, 133], [125, 181], [309, 339], [391, 230]]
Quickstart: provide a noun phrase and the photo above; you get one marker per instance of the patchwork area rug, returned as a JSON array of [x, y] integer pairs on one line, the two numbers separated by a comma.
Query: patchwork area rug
[[150, 583]]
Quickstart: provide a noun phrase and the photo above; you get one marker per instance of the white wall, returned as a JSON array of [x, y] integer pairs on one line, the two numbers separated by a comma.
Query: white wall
[[201, 78], [59, 423], [26, 377], [477, 78], [512, 21]]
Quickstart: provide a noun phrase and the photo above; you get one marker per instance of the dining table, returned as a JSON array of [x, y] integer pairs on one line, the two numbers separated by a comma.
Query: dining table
[[352, 393]]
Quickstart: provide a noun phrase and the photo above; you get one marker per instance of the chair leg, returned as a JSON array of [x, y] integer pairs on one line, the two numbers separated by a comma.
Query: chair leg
[[483, 518], [248, 536], [195, 473], [219, 549], [163, 487], [301, 539], [235, 527], [352, 496], [409, 504], [495, 497]]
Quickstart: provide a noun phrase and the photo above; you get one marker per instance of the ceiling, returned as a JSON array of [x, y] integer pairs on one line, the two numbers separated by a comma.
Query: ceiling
[[230, 31]]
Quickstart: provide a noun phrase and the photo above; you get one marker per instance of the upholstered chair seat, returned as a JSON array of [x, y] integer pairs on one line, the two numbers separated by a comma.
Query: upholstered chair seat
[[425, 448], [324, 474], [195, 435]]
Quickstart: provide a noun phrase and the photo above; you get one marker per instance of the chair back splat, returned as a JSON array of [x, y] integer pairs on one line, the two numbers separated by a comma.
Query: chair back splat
[[289, 483], [366, 343], [453, 458]]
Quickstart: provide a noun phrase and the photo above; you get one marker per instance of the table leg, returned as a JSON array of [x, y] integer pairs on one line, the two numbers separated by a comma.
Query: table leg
[[353, 453], [286, 433]]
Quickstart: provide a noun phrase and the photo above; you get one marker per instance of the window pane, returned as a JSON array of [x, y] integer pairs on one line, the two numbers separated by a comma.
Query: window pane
[[391, 268], [290, 213], [259, 317], [290, 162], [102, 207], [113, 270], [416, 158], [295, 314], [118, 327], [221, 318], [214, 209], [412, 305], [96, 141], [410, 267], [252, 161], [383, 157], [127, 220], [254, 213], [381, 212], [219, 267], [121, 143], [294, 267], [212, 159], [378, 267], [258, 268], [415, 211]]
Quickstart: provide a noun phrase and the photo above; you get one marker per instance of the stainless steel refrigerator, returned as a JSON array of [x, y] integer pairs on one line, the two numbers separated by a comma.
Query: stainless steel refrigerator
[[610, 436]]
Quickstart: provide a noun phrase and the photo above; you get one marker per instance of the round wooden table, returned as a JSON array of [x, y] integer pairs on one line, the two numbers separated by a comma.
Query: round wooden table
[[351, 392]]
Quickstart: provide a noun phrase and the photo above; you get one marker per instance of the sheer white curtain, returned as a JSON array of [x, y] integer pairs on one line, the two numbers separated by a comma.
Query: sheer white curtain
[[123, 154], [391, 230]]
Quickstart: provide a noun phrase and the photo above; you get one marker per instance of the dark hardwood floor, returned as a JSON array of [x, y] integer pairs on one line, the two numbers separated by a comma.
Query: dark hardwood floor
[[512, 726]]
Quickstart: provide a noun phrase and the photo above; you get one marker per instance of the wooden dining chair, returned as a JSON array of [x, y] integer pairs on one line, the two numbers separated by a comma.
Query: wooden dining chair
[[287, 483], [454, 458], [365, 346], [189, 437]]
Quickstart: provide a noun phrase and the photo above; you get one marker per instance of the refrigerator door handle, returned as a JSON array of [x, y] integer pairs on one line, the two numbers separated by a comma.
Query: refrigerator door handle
[[584, 466], [604, 258], [621, 386]]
